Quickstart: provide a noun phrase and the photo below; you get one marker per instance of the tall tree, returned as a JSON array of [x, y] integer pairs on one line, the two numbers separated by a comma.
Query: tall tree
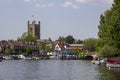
[[109, 28], [89, 44], [61, 38], [28, 51], [69, 39], [28, 37]]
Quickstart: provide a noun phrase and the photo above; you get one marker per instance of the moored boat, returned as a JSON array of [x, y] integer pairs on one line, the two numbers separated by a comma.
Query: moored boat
[[113, 62]]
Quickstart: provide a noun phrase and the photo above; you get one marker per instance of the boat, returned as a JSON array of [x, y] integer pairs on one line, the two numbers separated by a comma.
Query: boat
[[99, 61], [113, 62]]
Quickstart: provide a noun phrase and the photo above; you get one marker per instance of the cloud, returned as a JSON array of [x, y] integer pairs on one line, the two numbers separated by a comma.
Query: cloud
[[44, 5], [28, 1], [97, 2], [66, 4], [74, 4], [70, 4], [82, 1], [40, 5]]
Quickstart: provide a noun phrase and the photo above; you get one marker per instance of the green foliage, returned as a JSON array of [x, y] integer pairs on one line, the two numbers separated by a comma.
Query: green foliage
[[69, 39], [42, 46], [109, 30], [80, 54], [89, 44], [28, 51], [61, 38], [28, 37], [45, 47], [107, 51], [7, 51]]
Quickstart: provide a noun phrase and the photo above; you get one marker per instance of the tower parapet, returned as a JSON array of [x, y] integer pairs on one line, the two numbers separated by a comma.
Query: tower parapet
[[34, 29]]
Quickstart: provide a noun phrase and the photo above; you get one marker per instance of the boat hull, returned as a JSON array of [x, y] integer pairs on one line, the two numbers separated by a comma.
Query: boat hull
[[112, 65]]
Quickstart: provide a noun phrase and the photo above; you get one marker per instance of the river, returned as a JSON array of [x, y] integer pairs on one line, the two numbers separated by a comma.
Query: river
[[54, 70]]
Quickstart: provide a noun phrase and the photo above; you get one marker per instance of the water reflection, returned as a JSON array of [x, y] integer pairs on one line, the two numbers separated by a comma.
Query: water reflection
[[106, 74], [54, 70], [47, 70]]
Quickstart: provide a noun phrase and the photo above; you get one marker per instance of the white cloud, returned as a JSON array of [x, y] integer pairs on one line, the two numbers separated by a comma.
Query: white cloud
[[28, 1], [44, 5], [41, 6], [68, 3], [82, 1], [95, 1]]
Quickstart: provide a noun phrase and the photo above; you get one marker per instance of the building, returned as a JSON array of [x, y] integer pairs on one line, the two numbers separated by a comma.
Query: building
[[34, 29], [76, 47]]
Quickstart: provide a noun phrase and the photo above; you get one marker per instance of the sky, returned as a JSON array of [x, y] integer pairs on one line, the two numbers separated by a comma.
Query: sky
[[79, 18]]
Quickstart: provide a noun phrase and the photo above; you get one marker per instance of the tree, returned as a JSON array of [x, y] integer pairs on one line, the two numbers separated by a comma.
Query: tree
[[69, 39], [61, 38], [109, 29], [28, 37], [89, 44], [107, 51], [44, 48], [7, 51], [28, 51]]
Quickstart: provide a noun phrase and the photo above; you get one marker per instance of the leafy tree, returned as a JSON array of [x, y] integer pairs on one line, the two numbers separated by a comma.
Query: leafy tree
[[69, 39], [13, 51], [28, 51], [79, 41], [7, 51], [109, 28], [42, 48], [89, 44], [45, 48], [107, 51], [61, 38], [28, 37], [49, 39]]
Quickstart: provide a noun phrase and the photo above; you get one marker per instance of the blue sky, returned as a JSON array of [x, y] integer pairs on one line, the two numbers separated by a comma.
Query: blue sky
[[79, 18]]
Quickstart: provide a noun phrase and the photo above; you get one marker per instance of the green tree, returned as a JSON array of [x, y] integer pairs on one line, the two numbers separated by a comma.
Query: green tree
[[13, 51], [7, 51], [28, 51], [44, 48], [61, 38], [28, 37], [69, 39], [89, 44], [107, 51], [109, 29]]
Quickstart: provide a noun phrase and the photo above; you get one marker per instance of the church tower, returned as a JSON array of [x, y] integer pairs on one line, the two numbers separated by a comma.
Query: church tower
[[34, 29]]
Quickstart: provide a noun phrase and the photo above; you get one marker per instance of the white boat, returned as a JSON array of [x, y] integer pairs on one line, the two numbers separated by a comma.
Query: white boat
[[113, 62], [99, 61], [112, 65], [96, 62]]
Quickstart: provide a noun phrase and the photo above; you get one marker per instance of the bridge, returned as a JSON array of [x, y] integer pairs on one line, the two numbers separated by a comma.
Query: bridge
[[90, 56]]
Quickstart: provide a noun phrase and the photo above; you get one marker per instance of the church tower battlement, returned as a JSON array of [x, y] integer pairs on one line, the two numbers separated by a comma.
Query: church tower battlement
[[34, 29]]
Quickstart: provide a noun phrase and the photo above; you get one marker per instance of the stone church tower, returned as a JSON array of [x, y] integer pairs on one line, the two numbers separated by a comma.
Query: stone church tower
[[34, 29]]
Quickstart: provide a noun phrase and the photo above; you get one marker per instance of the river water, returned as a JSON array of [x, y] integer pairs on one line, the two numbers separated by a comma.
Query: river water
[[54, 70]]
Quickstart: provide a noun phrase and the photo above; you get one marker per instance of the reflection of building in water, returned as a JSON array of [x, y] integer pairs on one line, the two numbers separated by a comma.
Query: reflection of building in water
[[34, 29]]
